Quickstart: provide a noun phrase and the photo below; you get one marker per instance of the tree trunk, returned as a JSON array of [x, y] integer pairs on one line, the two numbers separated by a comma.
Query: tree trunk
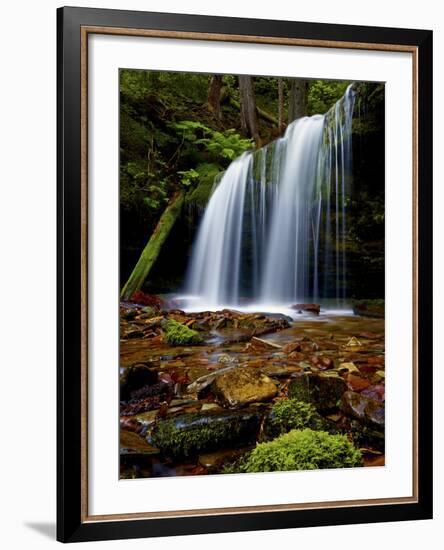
[[260, 112], [248, 108], [152, 250], [280, 105], [297, 101], [214, 95]]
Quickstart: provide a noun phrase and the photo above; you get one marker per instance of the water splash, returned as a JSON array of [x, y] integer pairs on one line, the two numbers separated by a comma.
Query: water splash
[[274, 230]]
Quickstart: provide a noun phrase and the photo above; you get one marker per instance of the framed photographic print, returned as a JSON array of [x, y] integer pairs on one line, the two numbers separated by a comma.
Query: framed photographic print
[[244, 286]]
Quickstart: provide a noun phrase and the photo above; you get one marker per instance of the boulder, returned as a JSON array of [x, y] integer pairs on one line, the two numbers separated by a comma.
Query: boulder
[[193, 433], [310, 308], [369, 308], [321, 390], [243, 385]]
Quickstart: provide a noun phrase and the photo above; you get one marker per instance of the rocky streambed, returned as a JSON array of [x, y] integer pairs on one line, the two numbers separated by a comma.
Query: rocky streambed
[[214, 392]]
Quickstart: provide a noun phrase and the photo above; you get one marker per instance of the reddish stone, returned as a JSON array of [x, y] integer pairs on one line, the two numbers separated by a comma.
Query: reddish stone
[[357, 383]]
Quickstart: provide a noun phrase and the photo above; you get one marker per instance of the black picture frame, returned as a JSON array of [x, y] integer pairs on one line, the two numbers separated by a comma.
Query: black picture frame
[[72, 526]]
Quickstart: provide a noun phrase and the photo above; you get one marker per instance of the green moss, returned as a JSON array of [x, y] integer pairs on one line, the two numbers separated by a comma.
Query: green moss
[[200, 195], [189, 434], [149, 312], [176, 334], [291, 414], [300, 450]]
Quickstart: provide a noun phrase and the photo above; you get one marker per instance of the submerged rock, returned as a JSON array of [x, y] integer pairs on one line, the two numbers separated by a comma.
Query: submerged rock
[[322, 390], [190, 434], [243, 385]]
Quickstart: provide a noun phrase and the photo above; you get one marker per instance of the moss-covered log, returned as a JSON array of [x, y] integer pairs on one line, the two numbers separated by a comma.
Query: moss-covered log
[[152, 250]]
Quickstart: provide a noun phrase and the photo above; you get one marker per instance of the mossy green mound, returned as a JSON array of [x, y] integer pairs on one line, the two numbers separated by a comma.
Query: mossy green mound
[[189, 434], [176, 334], [291, 414], [300, 450]]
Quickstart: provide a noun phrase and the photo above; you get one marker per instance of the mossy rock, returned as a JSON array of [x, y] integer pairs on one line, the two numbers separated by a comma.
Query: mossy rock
[[135, 377], [291, 414], [300, 450], [369, 308], [176, 334], [149, 312], [322, 391], [190, 434]]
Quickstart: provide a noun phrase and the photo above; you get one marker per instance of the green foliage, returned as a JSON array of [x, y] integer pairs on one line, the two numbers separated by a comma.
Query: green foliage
[[290, 414], [207, 173], [300, 450], [188, 177], [176, 334], [323, 94], [221, 146]]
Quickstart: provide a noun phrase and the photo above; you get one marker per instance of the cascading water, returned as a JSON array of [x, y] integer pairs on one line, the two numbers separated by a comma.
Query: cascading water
[[274, 230]]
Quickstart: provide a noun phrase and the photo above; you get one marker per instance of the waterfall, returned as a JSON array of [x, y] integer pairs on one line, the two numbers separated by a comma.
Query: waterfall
[[274, 230]]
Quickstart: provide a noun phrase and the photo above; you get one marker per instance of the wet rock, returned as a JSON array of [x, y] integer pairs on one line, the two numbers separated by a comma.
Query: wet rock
[[193, 373], [353, 345], [258, 344], [138, 406], [348, 368], [368, 411], [291, 414], [227, 359], [322, 362], [375, 391], [132, 444], [132, 332], [241, 386], [190, 434], [367, 436], [135, 377], [128, 313], [279, 371], [310, 308], [322, 390], [215, 461], [357, 383], [176, 334], [146, 419], [204, 381], [292, 347], [210, 407], [369, 308]]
